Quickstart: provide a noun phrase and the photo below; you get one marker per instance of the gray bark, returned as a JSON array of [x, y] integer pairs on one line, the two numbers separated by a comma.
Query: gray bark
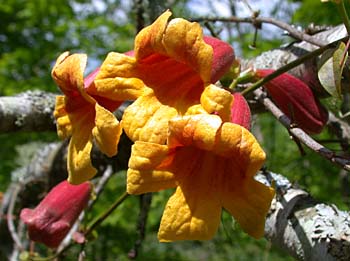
[[305, 228], [28, 111]]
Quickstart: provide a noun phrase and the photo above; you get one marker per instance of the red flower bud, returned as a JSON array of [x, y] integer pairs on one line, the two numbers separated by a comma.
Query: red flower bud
[[297, 101], [52, 219], [223, 57], [240, 111]]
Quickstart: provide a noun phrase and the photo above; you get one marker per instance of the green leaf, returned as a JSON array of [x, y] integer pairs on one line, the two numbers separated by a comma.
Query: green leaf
[[330, 69]]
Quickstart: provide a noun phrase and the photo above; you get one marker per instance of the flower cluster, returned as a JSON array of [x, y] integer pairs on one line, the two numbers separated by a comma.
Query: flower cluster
[[188, 133]]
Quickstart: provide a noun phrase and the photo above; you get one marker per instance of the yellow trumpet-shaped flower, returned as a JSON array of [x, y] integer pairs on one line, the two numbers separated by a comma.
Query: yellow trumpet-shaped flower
[[85, 116], [212, 165], [177, 64]]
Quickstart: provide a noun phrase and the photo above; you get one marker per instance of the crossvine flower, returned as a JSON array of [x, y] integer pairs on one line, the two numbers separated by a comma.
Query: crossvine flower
[[178, 65], [212, 165], [85, 116]]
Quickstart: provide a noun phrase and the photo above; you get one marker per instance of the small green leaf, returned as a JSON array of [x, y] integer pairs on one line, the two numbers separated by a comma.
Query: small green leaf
[[331, 67]]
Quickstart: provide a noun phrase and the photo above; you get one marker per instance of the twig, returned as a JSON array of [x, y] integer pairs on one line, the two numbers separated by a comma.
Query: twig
[[344, 15], [97, 191], [107, 174], [145, 204], [104, 215], [140, 20], [10, 218], [300, 134], [290, 29]]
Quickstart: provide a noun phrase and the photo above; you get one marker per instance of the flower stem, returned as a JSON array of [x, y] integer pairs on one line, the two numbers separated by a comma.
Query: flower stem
[[289, 66], [104, 215], [344, 15], [244, 77]]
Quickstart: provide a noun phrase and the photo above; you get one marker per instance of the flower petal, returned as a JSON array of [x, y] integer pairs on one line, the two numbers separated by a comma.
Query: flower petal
[[215, 99], [198, 130], [154, 167], [248, 201], [147, 119], [196, 109], [193, 212], [238, 144], [64, 125], [68, 73], [107, 131], [80, 168], [178, 39], [116, 79], [142, 175]]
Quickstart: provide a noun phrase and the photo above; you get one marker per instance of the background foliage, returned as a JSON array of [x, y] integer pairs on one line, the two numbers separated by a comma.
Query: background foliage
[[35, 32]]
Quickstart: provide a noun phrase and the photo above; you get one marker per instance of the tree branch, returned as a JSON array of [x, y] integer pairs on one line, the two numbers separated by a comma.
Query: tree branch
[[300, 134], [28, 111], [259, 20], [305, 228]]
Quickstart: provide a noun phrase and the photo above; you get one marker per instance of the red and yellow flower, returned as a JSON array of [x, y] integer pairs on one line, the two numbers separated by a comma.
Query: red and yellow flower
[[86, 116], [178, 65], [212, 166]]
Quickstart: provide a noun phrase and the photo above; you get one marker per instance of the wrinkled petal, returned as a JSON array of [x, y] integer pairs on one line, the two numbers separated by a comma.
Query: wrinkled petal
[[142, 176], [197, 130], [68, 73], [64, 125], [140, 182], [215, 99], [107, 131], [237, 143], [154, 167], [80, 168], [116, 79], [248, 202], [193, 212], [212, 164], [196, 109], [178, 39], [147, 119], [146, 155]]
